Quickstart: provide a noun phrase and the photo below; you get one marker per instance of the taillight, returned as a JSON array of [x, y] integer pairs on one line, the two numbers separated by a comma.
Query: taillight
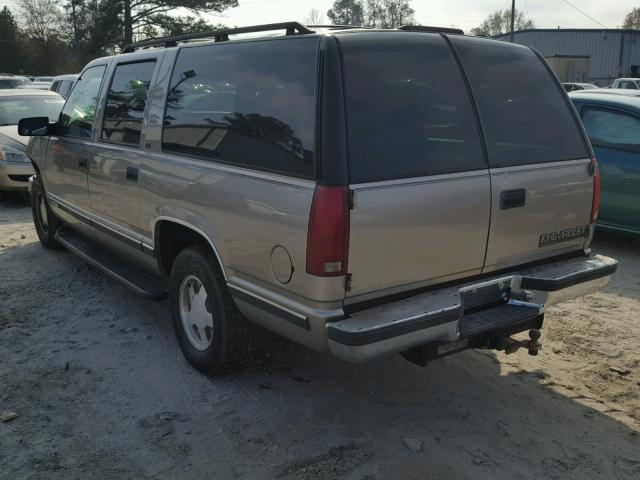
[[328, 234], [595, 204]]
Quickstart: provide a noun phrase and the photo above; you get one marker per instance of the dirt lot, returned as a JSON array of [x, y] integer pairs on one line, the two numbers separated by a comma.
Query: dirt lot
[[101, 390]]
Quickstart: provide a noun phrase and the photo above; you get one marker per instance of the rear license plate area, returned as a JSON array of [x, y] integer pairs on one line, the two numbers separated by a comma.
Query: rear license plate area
[[485, 296]]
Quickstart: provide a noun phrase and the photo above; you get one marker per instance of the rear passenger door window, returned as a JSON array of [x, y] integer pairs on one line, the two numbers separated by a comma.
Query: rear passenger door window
[[126, 103], [250, 104], [408, 110], [612, 129], [76, 119], [525, 116]]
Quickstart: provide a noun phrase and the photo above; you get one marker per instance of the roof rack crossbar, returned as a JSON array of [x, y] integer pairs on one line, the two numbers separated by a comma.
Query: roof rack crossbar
[[337, 27], [291, 28], [427, 29]]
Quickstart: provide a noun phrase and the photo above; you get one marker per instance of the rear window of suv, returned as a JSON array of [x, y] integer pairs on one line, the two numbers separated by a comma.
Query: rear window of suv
[[251, 104], [408, 111], [524, 114]]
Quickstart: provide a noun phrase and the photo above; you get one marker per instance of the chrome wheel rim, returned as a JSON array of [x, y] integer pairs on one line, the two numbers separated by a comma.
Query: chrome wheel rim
[[195, 313], [42, 212]]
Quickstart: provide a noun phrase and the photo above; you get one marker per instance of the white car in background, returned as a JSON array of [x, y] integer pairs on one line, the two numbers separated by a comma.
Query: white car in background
[[627, 83], [36, 85], [574, 86]]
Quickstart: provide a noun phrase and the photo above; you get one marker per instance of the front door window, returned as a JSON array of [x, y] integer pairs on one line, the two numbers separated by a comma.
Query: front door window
[[76, 119]]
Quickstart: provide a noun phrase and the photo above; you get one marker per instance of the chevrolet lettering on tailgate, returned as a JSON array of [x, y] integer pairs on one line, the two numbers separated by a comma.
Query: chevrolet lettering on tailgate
[[563, 235]]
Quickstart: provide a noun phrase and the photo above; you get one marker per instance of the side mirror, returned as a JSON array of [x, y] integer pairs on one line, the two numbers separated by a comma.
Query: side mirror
[[34, 126]]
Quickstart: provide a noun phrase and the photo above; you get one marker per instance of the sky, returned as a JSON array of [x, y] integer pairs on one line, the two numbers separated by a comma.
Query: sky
[[464, 14]]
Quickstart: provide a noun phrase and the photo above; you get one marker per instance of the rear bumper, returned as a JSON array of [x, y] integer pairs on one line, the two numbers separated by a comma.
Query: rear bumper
[[439, 316]]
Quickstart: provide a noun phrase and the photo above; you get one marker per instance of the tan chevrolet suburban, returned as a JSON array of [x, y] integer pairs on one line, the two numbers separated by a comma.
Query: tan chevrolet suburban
[[359, 191]]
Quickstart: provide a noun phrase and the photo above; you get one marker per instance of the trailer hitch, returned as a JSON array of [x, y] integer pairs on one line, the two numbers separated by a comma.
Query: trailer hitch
[[511, 345]]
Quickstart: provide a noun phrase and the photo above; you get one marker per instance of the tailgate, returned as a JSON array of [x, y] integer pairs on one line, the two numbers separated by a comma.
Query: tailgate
[[539, 156], [416, 166], [410, 235], [549, 213]]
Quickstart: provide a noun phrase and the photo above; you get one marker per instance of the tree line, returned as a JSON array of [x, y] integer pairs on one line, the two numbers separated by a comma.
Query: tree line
[[372, 13], [60, 36]]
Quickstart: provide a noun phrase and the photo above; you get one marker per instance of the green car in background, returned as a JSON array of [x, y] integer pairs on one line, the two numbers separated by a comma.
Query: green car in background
[[612, 121]]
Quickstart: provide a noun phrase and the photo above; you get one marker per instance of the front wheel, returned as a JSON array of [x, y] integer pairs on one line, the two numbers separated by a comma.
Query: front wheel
[[213, 335], [45, 221]]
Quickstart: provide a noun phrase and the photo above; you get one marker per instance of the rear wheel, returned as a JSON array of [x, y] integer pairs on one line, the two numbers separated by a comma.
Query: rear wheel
[[212, 333], [45, 221]]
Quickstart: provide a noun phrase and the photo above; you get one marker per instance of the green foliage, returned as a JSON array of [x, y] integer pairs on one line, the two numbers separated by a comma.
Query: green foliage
[[372, 13], [388, 13], [8, 25], [162, 25], [153, 15], [61, 36], [632, 20], [8, 41], [499, 22], [94, 26], [346, 12]]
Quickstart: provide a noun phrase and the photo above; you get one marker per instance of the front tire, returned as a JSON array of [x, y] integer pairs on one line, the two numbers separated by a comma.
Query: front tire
[[212, 334], [45, 221]]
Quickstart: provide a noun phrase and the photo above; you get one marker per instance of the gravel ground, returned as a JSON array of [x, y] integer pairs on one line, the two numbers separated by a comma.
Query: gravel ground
[[93, 385]]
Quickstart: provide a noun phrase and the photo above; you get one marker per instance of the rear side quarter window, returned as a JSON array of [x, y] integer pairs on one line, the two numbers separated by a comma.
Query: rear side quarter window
[[251, 104], [525, 116], [126, 103]]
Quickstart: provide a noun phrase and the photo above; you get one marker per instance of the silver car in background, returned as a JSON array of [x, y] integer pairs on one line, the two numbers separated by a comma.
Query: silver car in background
[[62, 84], [8, 81], [15, 165], [362, 192]]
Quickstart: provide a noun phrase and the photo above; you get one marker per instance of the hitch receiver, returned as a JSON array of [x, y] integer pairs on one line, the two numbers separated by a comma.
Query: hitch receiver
[[511, 345]]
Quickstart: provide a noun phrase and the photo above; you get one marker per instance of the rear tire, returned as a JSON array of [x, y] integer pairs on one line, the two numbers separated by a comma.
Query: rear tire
[[45, 221], [212, 333]]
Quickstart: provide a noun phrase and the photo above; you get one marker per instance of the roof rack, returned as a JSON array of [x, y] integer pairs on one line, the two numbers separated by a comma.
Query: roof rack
[[292, 28], [336, 27], [426, 29]]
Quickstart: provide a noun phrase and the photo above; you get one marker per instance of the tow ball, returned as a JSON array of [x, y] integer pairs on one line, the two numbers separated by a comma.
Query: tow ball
[[511, 345]]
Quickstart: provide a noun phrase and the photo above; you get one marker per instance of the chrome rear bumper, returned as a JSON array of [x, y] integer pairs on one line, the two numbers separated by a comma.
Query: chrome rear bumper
[[436, 316]]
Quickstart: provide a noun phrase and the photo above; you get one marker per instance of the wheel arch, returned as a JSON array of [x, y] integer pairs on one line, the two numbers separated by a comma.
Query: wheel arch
[[187, 235]]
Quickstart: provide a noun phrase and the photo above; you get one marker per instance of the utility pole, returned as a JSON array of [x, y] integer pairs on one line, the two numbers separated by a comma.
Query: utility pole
[[513, 19]]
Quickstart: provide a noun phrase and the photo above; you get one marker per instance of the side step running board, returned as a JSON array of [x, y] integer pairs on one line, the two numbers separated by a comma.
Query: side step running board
[[113, 266]]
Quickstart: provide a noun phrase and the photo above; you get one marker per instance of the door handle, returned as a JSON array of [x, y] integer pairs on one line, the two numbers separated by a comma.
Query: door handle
[[132, 174], [83, 162], [513, 198]]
